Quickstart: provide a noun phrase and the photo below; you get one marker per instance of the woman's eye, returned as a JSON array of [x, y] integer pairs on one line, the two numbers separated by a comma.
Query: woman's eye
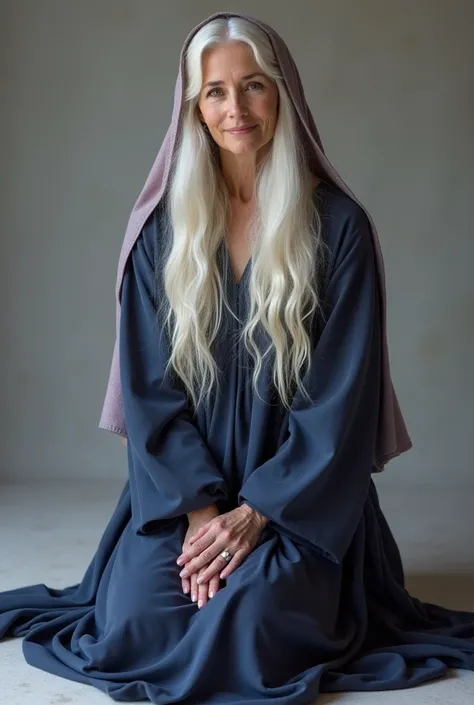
[[216, 92], [211, 93]]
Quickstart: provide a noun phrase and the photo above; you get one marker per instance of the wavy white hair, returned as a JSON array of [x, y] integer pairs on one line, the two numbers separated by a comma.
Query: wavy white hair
[[286, 243]]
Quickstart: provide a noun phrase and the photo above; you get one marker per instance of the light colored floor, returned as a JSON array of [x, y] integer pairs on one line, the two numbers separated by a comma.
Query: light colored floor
[[49, 532]]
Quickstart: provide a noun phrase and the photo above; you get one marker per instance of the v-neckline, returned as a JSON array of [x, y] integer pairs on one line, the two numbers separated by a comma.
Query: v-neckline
[[235, 282], [244, 272]]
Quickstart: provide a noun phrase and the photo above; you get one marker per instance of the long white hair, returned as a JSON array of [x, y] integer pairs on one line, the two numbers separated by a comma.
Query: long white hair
[[285, 238]]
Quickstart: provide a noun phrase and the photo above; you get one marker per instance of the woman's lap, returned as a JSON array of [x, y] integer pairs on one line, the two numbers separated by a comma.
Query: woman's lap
[[281, 594], [284, 619]]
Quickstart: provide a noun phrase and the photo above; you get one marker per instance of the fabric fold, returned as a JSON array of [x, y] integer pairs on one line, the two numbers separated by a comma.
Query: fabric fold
[[315, 486], [171, 469]]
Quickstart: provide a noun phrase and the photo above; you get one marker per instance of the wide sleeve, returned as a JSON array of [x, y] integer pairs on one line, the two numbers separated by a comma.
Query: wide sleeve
[[171, 469], [314, 488]]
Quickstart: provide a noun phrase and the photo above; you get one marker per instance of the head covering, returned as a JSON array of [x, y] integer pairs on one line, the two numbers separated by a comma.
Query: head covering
[[392, 436]]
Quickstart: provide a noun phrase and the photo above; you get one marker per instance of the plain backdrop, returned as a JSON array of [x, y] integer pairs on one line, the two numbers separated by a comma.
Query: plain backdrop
[[86, 98]]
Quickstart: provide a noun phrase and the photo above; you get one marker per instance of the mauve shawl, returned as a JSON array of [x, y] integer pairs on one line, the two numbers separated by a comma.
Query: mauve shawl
[[392, 436]]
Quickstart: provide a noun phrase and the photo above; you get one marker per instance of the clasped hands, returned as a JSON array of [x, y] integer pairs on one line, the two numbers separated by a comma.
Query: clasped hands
[[210, 533]]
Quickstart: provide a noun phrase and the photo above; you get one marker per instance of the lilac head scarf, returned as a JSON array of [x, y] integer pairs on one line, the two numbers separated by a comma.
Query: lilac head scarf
[[392, 436]]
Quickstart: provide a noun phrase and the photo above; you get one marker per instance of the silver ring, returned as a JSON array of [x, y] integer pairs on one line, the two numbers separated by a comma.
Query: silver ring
[[226, 556]]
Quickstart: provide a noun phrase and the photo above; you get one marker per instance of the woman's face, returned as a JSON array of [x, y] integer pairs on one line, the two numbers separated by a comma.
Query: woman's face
[[240, 95]]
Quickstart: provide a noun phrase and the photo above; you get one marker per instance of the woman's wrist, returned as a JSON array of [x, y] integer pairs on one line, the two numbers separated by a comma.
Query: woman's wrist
[[261, 517], [210, 510]]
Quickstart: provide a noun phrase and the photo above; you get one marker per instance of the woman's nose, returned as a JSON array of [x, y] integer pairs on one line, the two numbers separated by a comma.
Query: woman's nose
[[237, 105]]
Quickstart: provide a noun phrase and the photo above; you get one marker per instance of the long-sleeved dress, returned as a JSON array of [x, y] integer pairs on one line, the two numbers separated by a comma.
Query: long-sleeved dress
[[319, 604]]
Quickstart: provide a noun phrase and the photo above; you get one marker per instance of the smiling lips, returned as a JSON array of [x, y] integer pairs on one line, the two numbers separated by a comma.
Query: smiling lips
[[241, 130]]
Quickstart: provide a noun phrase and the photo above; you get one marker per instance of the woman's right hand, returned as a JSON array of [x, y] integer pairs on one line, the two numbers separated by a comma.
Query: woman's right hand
[[196, 520], [202, 592]]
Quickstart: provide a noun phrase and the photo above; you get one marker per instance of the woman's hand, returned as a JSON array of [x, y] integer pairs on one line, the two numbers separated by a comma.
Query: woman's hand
[[237, 531], [201, 593]]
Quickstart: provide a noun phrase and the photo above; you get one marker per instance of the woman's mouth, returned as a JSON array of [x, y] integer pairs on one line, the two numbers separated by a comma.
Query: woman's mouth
[[242, 130]]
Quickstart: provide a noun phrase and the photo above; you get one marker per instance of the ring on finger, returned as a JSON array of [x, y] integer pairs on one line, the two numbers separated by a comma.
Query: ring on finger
[[225, 555]]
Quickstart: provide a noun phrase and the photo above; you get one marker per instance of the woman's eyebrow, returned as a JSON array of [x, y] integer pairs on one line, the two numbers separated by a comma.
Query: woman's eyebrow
[[244, 78]]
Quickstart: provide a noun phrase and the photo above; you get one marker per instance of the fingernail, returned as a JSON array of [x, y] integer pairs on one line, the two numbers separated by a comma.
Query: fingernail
[[194, 598], [186, 590], [200, 604], [211, 594], [180, 561], [183, 574], [200, 579]]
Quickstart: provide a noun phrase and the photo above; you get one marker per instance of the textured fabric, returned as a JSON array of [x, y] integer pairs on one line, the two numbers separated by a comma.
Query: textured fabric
[[392, 437], [319, 604]]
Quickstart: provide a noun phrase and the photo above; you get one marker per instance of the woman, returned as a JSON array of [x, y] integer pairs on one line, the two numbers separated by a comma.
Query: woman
[[250, 376]]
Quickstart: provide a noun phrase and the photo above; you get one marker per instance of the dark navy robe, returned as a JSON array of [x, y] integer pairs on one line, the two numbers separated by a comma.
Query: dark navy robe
[[319, 604]]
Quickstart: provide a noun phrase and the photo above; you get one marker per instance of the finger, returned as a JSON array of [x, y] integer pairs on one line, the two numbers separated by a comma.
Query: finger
[[215, 567], [237, 559], [200, 532], [190, 552], [201, 554], [186, 585], [214, 585], [202, 594], [194, 587]]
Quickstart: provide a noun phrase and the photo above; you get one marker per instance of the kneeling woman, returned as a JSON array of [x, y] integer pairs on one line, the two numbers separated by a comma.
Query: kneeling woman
[[248, 558]]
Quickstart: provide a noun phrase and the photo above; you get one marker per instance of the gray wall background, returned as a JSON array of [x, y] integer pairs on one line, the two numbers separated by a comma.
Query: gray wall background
[[86, 99]]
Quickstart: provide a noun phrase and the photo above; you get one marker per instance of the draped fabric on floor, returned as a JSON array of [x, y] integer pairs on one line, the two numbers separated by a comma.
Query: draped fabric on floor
[[319, 605]]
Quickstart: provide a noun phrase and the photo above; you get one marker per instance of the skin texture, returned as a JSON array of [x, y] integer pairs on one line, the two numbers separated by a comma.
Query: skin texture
[[238, 102], [201, 593], [236, 531]]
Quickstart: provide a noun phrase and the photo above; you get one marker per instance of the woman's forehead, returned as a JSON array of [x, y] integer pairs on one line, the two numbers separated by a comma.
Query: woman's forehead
[[235, 58]]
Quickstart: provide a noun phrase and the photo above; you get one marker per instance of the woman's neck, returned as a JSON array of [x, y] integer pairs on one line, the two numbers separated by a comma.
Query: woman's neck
[[239, 172]]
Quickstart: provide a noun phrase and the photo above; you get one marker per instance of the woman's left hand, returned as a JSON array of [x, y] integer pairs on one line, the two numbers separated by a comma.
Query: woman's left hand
[[237, 531]]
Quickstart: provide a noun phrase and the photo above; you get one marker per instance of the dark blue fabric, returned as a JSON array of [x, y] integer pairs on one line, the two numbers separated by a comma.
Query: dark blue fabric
[[319, 605]]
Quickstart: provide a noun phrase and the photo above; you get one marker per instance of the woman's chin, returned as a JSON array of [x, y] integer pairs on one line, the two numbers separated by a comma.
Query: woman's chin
[[243, 145]]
